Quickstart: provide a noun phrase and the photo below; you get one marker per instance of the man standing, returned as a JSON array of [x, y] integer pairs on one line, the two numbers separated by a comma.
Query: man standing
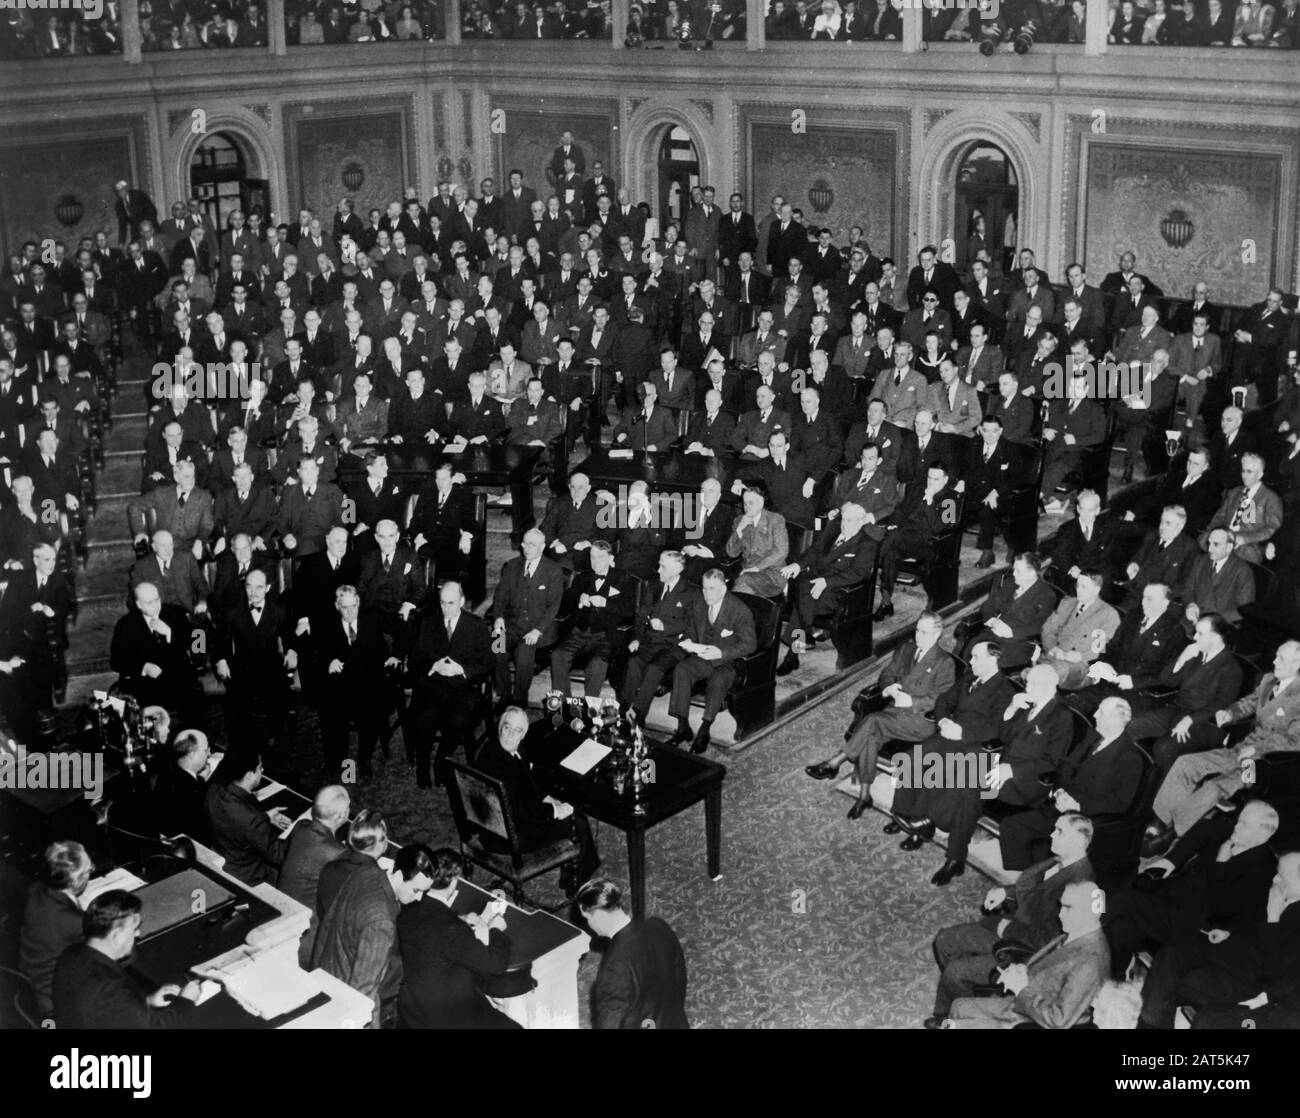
[[641, 983]]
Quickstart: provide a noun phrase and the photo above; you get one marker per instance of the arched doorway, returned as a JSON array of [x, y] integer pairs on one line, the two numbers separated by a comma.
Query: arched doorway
[[987, 210], [219, 178], [679, 171]]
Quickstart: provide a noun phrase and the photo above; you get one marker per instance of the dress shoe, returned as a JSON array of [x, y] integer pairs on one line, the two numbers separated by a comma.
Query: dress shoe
[[923, 827], [789, 665], [893, 827], [934, 1022], [885, 610], [985, 560], [857, 810], [912, 843], [1157, 839], [950, 869], [823, 770], [681, 739], [701, 740]]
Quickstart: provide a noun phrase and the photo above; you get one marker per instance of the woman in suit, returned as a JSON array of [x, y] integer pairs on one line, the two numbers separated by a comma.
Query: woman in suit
[[760, 539], [788, 319]]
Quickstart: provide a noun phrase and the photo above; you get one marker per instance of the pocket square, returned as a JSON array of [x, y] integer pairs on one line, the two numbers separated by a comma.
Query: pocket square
[[728, 632], [542, 587], [613, 591], [1004, 465]]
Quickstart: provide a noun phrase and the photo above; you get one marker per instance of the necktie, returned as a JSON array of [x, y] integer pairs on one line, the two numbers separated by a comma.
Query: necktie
[[308, 493], [713, 614], [180, 501], [165, 567], [388, 564], [1078, 613], [352, 634], [1242, 506]]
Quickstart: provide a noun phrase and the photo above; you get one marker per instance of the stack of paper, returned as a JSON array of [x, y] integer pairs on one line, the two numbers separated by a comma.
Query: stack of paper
[[267, 987]]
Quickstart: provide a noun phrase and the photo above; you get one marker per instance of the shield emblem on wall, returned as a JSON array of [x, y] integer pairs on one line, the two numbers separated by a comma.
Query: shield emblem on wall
[[821, 196], [353, 175], [1177, 229], [68, 209]]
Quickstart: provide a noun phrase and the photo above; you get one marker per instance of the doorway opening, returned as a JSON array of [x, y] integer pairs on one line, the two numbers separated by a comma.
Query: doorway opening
[[679, 172], [987, 211], [219, 178]]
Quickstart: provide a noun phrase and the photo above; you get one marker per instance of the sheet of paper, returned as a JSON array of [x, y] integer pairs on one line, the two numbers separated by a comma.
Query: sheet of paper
[[269, 789], [620, 453], [114, 879], [267, 987], [586, 757]]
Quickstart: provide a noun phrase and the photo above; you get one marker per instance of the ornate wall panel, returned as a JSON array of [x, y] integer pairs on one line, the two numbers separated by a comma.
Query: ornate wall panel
[[839, 172], [532, 130], [330, 146], [58, 180]]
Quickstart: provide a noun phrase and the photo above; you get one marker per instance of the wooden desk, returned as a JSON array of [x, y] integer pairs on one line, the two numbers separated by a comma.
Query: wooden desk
[[672, 471], [680, 780], [488, 465]]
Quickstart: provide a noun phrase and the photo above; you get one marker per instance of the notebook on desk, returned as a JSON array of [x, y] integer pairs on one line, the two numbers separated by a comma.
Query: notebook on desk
[[179, 898]]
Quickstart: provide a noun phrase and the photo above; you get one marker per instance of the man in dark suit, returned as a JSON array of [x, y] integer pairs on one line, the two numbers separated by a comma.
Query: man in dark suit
[[308, 510], [703, 540], [1165, 556], [150, 653], [1194, 488], [1099, 777], [318, 576], [451, 659], [642, 978], [570, 524], [996, 468], [788, 477], [650, 426], [348, 682], [392, 582], [787, 238], [540, 820], [1212, 877], [926, 512], [232, 567], [737, 234], [1219, 582], [34, 618], [177, 574], [888, 437], [1229, 445], [1207, 679], [1072, 426], [816, 437], [720, 631], [663, 618], [1251, 511], [930, 274], [917, 675], [1118, 281], [251, 656], [524, 612], [1084, 543], [926, 447], [1015, 610], [1147, 641], [446, 957], [1035, 733], [1257, 357], [840, 557], [443, 522], [601, 601]]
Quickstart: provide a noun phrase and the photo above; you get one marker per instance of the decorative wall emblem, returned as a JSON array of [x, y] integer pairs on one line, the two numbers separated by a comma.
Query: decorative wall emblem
[[466, 168], [821, 196], [68, 209], [353, 175], [1177, 229], [444, 168]]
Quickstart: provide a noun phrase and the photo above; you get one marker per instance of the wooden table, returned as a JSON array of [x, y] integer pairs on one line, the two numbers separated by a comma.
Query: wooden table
[[672, 471], [680, 779]]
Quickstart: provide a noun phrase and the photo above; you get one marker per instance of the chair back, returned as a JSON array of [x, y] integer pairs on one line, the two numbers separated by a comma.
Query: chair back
[[479, 805]]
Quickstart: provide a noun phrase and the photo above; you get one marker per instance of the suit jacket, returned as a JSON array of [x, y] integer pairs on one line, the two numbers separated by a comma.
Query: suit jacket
[[310, 848], [1200, 499], [1145, 655], [818, 442], [1277, 717], [964, 414], [785, 486], [1021, 301], [1087, 423], [711, 531], [674, 609], [732, 633], [1168, 563], [1024, 614], [759, 546], [568, 525], [1224, 593], [443, 962], [1063, 982], [902, 401], [1186, 361], [1034, 902], [256, 515], [878, 495], [943, 282], [193, 521], [753, 430], [736, 234], [221, 474], [309, 521], [1256, 523], [925, 680], [619, 592], [92, 991], [527, 424], [470, 646], [1034, 748], [713, 434], [852, 355], [1203, 689], [642, 978], [975, 707], [442, 526], [1072, 549], [842, 565], [387, 591], [915, 327], [30, 633], [527, 604], [1218, 893], [1103, 781], [889, 439], [184, 585], [242, 831], [253, 651], [1133, 346], [1016, 416], [228, 586], [366, 424], [659, 431]]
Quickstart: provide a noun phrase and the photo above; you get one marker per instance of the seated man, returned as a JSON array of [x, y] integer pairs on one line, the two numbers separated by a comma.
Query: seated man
[[1035, 733], [1071, 428], [840, 557], [178, 576], [1251, 964], [1056, 987], [1251, 511], [1200, 780], [1078, 631], [1218, 872], [1208, 678], [600, 601], [1100, 777], [995, 468], [1014, 612], [704, 538], [1147, 641], [1028, 914], [721, 631], [925, 513], [524, 611], [179, 790], [663, 618], [533, 419], [1219, 581], [1166, 556], [450, 659], [445, 956], [183, 510], [540, 820], [710, 430], [570, 523], [1138, 412], [760, 541], [648, 426], [1084, 543], [918, 674], [52, 918], [308, 510], [443, 522], [250, 839], [1195, 488], [93, 990]]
